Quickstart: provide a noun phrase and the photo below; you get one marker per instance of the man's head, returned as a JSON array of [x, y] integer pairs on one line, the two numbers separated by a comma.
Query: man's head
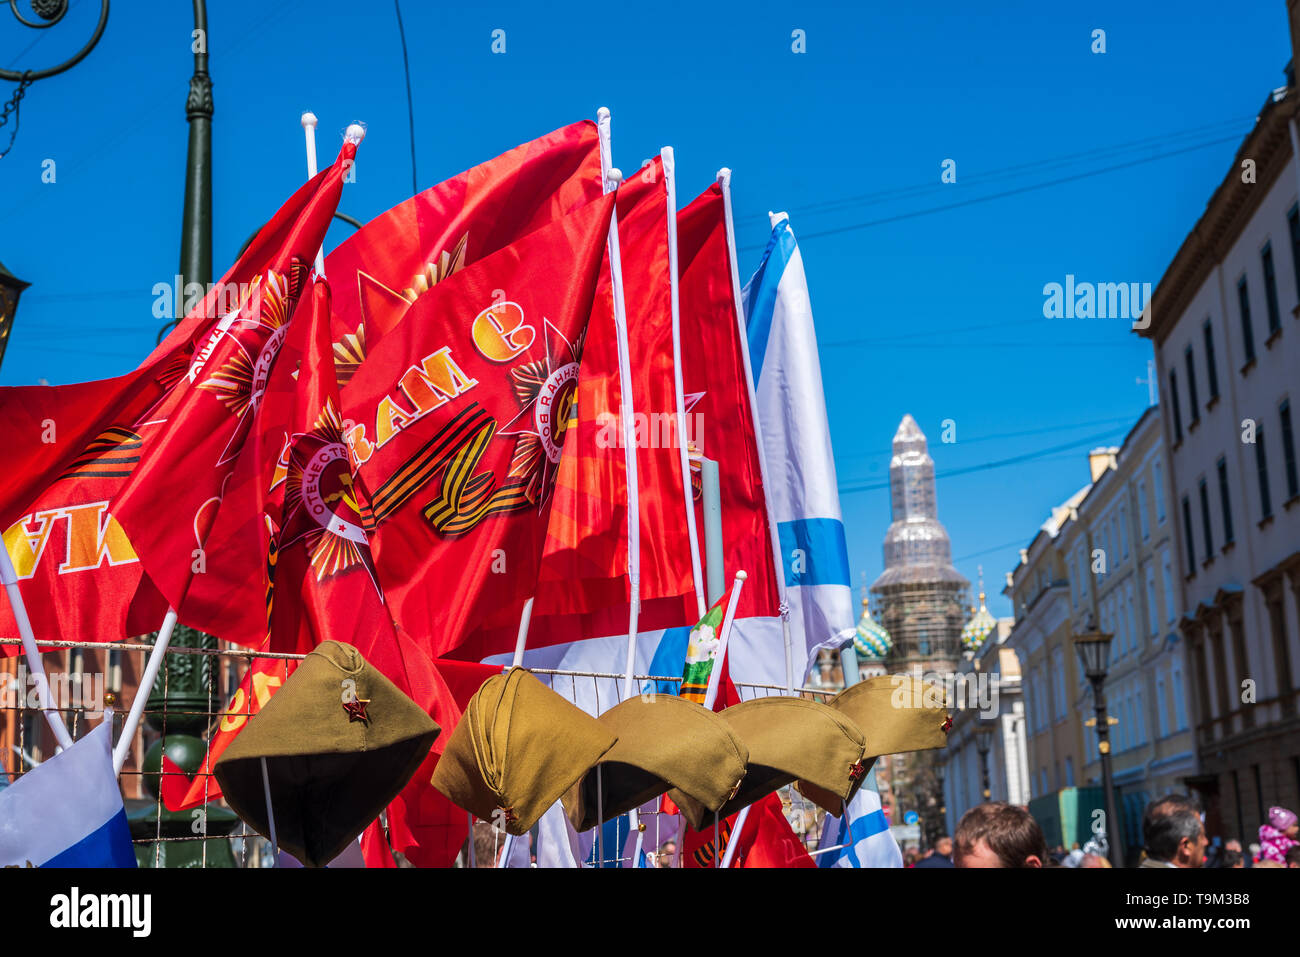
[[1094, 860], [1172, 831], [1293, 856], [999, 835], [1233, 859], [667, 851], [943, 846], [1232, 844]]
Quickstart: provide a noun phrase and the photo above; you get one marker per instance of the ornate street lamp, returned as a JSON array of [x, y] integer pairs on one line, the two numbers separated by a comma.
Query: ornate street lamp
[[48, 13], [984, 731], [1093, 649], [11, 287]]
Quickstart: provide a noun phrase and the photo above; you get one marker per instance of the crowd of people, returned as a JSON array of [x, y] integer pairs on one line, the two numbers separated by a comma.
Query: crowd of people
[[998, 834]]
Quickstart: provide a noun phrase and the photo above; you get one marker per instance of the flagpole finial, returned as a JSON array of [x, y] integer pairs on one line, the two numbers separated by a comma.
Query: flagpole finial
[[724, 176], [742, 575], [602, 114], [615, 176], [309, 119], [355, 133]]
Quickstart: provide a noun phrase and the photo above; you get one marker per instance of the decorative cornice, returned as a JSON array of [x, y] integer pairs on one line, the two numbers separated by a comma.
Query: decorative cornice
[[1226, 215]]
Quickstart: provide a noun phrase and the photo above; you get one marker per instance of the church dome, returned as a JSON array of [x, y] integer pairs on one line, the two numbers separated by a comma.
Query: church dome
[[977, 630], [871, 641]]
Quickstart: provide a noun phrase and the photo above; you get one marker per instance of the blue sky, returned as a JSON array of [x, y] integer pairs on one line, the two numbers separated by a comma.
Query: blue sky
[[938, 314]]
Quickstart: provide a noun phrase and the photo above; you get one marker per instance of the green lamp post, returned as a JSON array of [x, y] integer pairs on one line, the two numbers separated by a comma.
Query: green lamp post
[[178, 709]]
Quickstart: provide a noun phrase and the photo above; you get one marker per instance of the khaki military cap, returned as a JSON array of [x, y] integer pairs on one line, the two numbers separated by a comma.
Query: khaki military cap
[[897, 713], [788, 739], [339, 740], [517, 749], [663, 742]]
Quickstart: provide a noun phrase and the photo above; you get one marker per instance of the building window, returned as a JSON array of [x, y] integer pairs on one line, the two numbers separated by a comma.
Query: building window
[[1173, 405], [1225, 503], [1162, 721], [1187, 534], [1210, 370], [1180, 712], [1141, 718], [1123, 531], [1069, 772], [1288, 450], [1153, 617], [1205, 519], [1132, 618], [1243, 304], [1159, 482], [1261, 466], [1168, 569], [1142, 510], [1293, 223], [1270, 290], [1191, 386]]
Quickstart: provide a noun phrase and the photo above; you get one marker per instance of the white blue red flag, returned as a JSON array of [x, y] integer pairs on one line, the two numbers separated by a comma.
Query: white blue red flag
[[68, 811], [861, 837], [796, 442]]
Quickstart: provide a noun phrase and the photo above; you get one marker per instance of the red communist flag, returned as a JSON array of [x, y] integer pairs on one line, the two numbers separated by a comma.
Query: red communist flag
[[718, 398], [583, 590], [292, 530], [457, 419], [168, 504], [74, 448], [382, 268]]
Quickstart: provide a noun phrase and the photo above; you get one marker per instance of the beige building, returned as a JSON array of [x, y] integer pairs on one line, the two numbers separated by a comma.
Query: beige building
[[1225, 326], [1106, 560]]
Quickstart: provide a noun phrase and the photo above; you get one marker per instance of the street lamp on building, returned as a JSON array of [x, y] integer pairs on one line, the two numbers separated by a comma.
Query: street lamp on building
[[984, 744], [1093, 649]]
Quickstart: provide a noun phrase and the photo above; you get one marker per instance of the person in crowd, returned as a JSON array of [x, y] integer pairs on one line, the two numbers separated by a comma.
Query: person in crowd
[[998, 834], [1233, 859], [1173, 833], [911, 857], [1094, 860], [1278, 835], [941, 855], [1293, 856], [667, 851]]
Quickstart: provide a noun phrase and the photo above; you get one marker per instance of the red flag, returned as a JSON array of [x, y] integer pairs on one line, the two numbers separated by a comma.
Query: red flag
[[457, 420], [766, 840], [718, 399], [210, 411], [382, 268], [74, 448], [583, 591]]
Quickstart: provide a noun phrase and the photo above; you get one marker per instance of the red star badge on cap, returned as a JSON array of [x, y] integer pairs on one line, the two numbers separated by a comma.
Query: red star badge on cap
[[356, 709], [856, 770], [947, 723]]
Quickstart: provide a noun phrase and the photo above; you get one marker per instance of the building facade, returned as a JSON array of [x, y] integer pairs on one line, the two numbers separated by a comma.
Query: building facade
[[1225, 327], [1106, 560]]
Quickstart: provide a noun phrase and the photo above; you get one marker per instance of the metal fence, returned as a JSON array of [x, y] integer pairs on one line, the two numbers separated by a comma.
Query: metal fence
[[210, 834]]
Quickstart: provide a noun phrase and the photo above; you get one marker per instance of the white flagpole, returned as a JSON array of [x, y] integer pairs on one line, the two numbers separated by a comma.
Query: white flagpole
[[309, 132], [778, 560], [734, 841], [142, 690], [612, 177], [524, 620], [32, 653], [715, 676], [270, 814], [670, 181]]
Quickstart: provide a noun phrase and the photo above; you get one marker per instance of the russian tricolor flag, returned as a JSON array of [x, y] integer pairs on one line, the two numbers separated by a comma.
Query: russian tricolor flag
[[68, 812]]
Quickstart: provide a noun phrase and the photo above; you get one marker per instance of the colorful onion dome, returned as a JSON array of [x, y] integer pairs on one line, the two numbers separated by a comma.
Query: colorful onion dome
[[977, 630], [871, 641]]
